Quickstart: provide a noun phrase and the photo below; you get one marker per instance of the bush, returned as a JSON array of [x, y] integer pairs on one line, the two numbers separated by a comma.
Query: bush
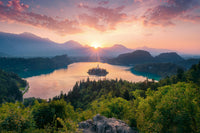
[[14, 117], [114, 107], [46, 114], [172, 108]]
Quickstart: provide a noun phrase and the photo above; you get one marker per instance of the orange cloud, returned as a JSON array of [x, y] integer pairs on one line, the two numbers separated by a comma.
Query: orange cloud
[[191, 18]]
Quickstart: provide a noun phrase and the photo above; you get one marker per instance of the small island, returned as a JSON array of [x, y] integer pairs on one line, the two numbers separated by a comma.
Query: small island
[[97, 71]]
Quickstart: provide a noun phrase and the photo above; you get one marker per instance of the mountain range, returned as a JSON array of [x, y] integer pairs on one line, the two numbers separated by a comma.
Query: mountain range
[[30, 45]]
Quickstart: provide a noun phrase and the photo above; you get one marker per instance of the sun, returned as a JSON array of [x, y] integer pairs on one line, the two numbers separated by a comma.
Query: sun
[[95, 45]]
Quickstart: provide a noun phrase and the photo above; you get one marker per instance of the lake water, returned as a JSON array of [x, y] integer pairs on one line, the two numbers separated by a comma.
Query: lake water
[[49, 85]]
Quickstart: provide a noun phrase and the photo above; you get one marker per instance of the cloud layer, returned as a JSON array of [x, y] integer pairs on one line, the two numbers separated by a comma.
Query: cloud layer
[[165, 13], [104, 15], [102, 18], [15, 11]]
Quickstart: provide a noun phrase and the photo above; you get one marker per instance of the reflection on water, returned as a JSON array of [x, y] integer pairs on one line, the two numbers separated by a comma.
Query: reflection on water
[[49, 85]]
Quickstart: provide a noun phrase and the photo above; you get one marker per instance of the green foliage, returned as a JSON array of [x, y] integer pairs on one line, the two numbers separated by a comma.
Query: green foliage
[[111, 107], [14, 117], [161, 69], [69, 126], [172, 108], [9, 87], [193, 74], [46, 114], [165, 106], [27, 67], [32, 101], [84, 93]]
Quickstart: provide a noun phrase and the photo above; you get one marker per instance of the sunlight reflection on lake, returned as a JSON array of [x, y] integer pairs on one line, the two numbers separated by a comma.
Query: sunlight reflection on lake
[[49, 85]]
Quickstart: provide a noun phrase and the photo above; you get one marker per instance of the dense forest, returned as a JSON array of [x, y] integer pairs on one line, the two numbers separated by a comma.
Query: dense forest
[[11, 86], [161, 69], [27, 67], [170, 105]]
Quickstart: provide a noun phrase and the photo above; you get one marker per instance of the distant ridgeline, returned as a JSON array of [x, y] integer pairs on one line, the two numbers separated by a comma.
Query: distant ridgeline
[[11, 86], [165, 64], [26, 67]]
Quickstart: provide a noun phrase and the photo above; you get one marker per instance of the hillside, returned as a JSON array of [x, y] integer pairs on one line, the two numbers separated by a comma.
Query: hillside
[[27, 67], [169, 57], [170, 105], [10, 85], [161, 69], [136, 57], [27, 44], [142, 57]]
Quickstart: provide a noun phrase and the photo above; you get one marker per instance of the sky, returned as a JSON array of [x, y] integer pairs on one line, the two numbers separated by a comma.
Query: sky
[[166, 24]]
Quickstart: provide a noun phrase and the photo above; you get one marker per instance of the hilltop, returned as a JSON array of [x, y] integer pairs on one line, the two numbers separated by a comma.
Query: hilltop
[[136, 57]]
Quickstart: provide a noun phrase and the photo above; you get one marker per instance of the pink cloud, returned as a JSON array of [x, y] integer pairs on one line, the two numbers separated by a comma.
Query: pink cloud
[[103, 2], [15, 4], [16, 12], [191, 18], [102, 18], [138, 0], [91, 21], [164, 14]]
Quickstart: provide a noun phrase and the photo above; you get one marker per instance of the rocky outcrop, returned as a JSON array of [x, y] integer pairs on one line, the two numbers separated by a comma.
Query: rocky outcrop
[[101, 124]]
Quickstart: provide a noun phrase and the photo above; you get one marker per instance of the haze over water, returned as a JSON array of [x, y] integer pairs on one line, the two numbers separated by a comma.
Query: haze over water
[[49, 85]]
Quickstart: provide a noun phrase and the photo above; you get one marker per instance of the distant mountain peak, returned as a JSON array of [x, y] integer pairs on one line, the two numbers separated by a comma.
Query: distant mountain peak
[[71, 41], [71, 44], [28, 34], [154, 51], [141, 52], [119, 45], [33, 36]]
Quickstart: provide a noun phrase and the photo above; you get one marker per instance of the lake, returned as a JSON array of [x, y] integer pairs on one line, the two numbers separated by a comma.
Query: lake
[[49, 85]]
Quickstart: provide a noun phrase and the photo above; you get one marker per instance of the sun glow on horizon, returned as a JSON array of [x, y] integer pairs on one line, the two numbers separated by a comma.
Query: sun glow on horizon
[[95, 45]]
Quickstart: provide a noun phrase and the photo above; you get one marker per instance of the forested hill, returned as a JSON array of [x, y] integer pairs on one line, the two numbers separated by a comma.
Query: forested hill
[[136, 57], [161, 69], [170, 105], [26, 67], [144, 57], [84, 93], [10, 85]]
